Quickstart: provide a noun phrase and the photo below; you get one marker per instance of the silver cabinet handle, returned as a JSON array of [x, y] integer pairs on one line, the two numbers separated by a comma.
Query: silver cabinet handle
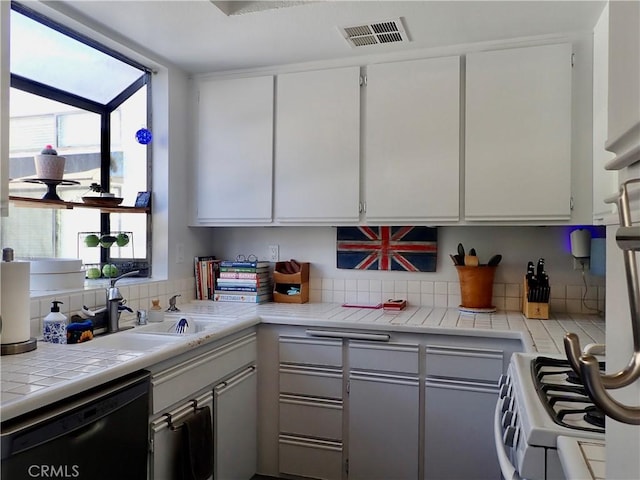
[[376, 337]]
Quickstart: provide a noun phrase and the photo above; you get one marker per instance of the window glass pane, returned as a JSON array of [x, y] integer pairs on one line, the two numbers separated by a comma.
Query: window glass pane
[[74, 133], [35, 122], [129, 170], [80, 129], [52, 59], [43, 54]]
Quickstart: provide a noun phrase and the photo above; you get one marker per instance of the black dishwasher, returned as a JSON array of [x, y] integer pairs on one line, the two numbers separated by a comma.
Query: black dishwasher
[[100, 434]]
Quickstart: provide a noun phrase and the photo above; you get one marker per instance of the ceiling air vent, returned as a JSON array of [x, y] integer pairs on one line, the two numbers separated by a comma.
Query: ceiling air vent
[[390, 31]]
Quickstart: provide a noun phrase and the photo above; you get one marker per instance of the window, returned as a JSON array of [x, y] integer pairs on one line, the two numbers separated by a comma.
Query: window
[[87, 101]]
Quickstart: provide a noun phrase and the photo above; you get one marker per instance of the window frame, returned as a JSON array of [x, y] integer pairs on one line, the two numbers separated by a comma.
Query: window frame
[[103, 110]]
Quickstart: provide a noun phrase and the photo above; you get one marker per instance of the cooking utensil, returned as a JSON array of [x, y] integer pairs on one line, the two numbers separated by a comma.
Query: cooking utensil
[[473, 253], [454, 258], [460, 250], [495, 260], [471, 261]]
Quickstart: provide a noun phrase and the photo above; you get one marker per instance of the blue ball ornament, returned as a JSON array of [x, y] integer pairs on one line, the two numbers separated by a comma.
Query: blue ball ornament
[[144, 136]]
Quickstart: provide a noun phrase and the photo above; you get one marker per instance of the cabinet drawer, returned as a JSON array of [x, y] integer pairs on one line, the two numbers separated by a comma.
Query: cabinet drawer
[[319, 418], [315, 382], [385, 357], [312, 458], [465, 363], [310, 351], [177, 383]]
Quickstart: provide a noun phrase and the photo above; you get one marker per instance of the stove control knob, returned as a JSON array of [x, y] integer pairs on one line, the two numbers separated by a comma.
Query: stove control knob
[[510, 436], [505, 390], [507, 404], [508, 419], [503, 380]]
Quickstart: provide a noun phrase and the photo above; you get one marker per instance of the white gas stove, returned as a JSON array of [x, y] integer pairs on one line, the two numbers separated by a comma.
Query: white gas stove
[[541, 399]]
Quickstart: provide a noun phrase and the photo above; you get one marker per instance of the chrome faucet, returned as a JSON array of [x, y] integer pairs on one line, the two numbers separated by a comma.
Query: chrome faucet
[[114, 299], [172, 304]]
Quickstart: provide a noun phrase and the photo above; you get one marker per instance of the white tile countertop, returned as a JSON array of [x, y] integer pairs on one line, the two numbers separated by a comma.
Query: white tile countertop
[[53, 372], [582, 459]]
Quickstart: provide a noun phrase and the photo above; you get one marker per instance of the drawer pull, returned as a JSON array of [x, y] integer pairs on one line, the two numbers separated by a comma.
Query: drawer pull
[[376, 337]]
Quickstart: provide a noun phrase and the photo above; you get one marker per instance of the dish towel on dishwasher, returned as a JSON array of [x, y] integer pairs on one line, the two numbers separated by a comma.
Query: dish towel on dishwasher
[[197, 445]]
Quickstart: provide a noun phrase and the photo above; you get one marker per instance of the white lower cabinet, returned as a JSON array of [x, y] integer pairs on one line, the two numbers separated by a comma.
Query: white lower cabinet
[[384, 419], [235, 426], [222, 379], [384, 410], [461, 388], [379, 406], [167, 439], [310, 407]]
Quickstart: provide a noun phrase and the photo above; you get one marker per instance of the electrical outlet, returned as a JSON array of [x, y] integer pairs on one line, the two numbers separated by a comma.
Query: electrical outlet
[[274, 253], [581, 264]]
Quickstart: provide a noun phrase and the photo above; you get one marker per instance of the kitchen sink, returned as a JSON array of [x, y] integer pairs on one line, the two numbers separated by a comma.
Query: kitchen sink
[[128, 341], [169, 327]]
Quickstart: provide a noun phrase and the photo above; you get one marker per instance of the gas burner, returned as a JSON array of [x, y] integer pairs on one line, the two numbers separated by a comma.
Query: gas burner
[[573, 377], [563, 395], [594, 416]]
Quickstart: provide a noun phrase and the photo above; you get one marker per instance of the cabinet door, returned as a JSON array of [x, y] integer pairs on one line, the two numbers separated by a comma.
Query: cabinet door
[[518, 134], [317, 152], [234, 165], [235, 424], [383, 426], [624, 91], [459, 425], [167, 440], [460, 398], [412, 138]]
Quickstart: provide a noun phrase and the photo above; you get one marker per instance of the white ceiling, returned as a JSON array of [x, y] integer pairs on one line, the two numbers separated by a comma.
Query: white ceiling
[[204, 36]]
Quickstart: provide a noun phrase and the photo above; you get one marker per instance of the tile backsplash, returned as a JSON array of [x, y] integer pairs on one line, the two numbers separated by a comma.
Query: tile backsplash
[[506, 296]]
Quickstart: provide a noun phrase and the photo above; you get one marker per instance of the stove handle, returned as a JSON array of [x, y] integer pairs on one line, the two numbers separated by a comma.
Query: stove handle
[[509, 472]]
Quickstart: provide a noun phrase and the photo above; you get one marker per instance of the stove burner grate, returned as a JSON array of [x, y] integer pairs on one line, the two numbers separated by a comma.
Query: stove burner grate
[[594, 416], [551, 394]]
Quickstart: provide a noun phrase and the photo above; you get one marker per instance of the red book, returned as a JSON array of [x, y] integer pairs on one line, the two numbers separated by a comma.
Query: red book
[[394, 304]]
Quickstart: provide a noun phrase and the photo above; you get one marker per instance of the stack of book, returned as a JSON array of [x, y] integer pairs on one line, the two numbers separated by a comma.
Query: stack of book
[[206, 271], [247, 282]]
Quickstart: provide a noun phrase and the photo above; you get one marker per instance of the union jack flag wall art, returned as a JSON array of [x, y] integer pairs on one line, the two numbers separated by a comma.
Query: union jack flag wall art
[[412, 249]]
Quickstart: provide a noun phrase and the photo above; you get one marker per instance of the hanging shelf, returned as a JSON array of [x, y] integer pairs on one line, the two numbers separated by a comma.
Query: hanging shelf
[[61, 204]]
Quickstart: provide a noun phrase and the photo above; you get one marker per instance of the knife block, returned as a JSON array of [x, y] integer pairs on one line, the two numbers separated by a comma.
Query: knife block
[[282, 282], [533, 310]]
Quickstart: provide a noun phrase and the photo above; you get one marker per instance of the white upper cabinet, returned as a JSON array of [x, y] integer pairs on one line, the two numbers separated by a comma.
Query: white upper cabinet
[[624, 86], [518, 134], [605, 183], [317, 149], [234, 165], [412, 153]]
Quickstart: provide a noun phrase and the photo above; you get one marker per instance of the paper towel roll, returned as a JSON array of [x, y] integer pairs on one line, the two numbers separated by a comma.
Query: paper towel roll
[[15, 300]]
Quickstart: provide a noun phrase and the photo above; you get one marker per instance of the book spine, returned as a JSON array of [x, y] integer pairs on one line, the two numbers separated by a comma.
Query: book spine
[[225, 297], [244, 269], [247, 282], [243, 275], [240, 289], [228, 263]]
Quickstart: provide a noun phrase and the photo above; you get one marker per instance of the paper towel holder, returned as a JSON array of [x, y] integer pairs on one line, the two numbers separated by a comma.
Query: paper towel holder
[[17, 347]]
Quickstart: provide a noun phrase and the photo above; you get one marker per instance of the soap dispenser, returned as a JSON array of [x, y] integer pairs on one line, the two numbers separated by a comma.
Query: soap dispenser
[[54, 328]]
